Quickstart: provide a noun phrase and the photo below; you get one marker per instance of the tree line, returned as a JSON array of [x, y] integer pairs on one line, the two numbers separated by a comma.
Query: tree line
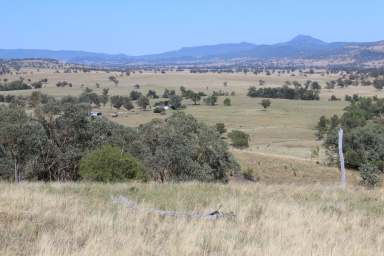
[[309, 91]]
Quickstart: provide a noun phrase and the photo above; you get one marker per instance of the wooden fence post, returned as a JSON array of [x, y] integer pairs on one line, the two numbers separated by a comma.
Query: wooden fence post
[[343, 178]]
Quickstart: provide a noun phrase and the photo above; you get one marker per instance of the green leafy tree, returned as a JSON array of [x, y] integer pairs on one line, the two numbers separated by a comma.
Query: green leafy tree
[[322, 127], [378, 84], [363, 133], [152, 94], [195, 97], [20, 138], [175, 101], [104, 96], [181, 148], [211, 100], [127, 104], [265, 103], [116, 102], [135, 95], [227, 102], [167, 93], [114, 80], [143, 102], [121, 101]]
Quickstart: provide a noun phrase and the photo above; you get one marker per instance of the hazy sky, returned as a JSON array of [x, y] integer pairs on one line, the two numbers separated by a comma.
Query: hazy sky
[[149, 26]]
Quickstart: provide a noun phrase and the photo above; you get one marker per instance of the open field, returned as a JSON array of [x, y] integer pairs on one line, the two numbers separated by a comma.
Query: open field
[[80, 219], [286, 129]]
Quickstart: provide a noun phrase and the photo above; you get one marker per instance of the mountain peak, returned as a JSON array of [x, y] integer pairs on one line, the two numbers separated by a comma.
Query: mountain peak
[[306, 40]]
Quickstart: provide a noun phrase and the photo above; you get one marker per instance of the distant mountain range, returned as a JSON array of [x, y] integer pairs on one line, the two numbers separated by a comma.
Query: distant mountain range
[[301, 49]]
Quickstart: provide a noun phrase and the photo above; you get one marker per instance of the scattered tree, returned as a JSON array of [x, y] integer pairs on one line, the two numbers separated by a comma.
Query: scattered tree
[[266, 103], [227, 102], [143, 102]]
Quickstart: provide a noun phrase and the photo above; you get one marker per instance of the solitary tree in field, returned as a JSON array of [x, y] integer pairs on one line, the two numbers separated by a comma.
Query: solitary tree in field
[[322, 127], [104, 96], [195, 97], [152, 94], [143, 102], [116, 102], [127, 104], [379, 84], [211, 100], [266, 103], [175, 101], [227, 102], [114, 80]]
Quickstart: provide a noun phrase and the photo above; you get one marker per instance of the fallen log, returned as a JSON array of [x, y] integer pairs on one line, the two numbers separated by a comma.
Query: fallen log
[[213, 215]]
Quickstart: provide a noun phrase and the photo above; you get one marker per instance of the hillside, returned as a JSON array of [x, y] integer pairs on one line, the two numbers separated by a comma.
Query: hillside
[[301, 49]]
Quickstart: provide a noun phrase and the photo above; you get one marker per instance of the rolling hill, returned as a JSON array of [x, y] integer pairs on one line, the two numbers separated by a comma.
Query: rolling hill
[[300, 49]]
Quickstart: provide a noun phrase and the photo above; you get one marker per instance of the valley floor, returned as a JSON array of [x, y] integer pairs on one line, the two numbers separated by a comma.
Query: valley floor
[[81, 219]]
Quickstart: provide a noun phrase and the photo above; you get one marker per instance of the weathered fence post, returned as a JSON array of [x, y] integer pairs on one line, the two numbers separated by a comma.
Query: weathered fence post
[[343, 178]]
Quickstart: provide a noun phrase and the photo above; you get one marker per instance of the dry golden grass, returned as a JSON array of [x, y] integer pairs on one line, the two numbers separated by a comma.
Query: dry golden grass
[[80, 219], [273, 169]]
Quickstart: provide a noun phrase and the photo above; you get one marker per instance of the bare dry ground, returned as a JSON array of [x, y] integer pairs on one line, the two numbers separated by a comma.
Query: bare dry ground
[[80, 219]]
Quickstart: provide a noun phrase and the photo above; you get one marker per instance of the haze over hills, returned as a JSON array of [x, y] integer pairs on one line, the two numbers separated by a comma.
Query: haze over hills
[[301, 49]]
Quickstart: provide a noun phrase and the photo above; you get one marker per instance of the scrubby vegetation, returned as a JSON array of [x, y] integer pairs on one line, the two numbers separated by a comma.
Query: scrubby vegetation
[[51, 145], [15, 85], [363, 134], [239, 138]]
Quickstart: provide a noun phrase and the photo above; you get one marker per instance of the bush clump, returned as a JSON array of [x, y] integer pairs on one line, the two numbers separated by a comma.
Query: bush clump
[[369, 175], [180, 148], [110, 164], [239, 139], [220, 128]]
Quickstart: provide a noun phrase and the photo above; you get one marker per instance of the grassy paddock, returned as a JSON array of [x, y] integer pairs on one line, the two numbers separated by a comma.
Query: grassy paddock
[[286, 129], [79, 219]]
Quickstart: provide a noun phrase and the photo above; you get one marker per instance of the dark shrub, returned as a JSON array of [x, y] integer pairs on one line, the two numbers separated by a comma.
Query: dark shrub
[[211, 100], [369, 175], [227, 102], [239, 139], [110, 164], [266, 103]]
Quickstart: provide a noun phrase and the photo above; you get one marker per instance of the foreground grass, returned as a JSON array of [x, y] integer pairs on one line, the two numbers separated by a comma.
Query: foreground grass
[[80, 219]]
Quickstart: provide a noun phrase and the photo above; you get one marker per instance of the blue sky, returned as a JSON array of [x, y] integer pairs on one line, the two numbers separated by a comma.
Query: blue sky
[[149, 26]]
